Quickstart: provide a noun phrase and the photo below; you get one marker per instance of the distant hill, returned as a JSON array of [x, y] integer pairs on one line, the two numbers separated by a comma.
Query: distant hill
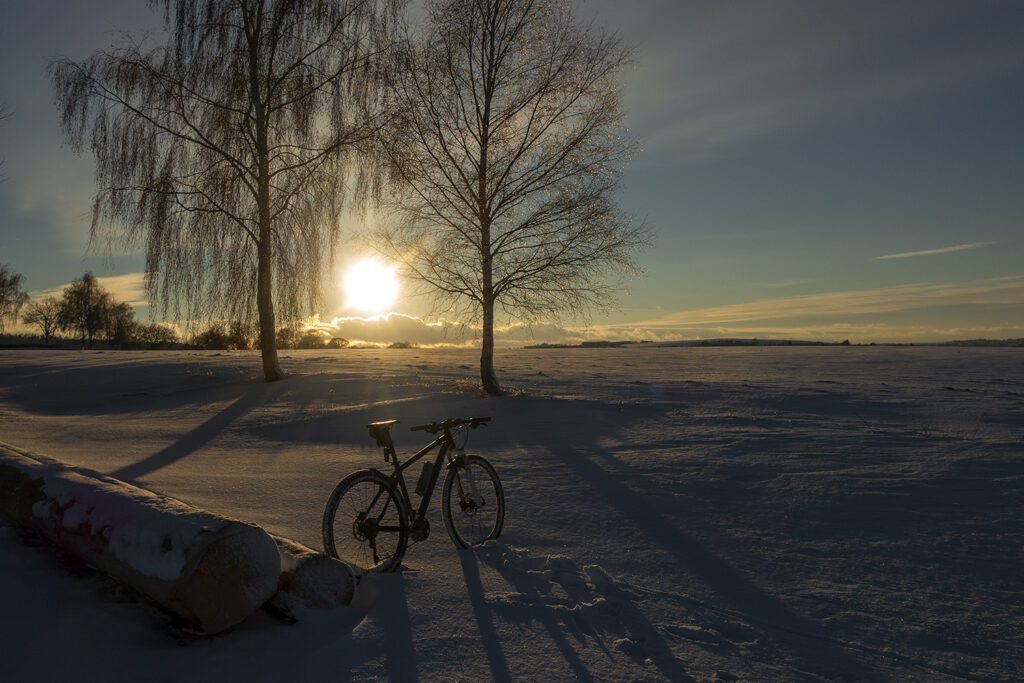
[[984, 342], [689, 342]]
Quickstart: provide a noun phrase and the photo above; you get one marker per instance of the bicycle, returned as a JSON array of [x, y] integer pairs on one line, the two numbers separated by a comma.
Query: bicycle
[[369, 519]]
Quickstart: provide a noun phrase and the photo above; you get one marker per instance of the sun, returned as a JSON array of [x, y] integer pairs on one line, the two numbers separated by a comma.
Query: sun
[[370, 286]]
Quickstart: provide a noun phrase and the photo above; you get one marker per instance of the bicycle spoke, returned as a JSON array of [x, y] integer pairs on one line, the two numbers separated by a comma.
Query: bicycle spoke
[[473, 502], [364, 524]]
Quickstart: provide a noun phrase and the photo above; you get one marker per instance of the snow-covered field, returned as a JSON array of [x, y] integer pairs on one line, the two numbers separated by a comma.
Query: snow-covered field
[[762, 513]]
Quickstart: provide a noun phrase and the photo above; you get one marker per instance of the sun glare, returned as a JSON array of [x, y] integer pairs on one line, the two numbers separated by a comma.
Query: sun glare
[[370, 287]]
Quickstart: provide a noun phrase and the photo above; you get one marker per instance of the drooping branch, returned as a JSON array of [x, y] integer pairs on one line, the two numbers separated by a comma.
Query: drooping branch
[[229, 153]]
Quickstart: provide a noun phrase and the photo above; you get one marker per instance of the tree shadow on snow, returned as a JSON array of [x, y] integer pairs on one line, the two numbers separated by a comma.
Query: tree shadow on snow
[[203, 434], [580, 427], [126, 387], [485, 619]]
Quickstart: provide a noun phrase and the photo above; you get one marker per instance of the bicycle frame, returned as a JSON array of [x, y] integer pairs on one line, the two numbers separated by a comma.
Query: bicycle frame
[[391, 456]]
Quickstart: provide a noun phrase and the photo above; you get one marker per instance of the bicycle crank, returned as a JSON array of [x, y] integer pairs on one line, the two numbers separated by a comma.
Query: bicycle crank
[[419, 529]]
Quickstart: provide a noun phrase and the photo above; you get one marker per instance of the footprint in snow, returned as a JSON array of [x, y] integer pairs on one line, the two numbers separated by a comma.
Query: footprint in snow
[[587, 601]]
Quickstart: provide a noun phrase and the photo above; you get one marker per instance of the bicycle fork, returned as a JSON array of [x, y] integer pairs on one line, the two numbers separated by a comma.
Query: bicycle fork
[[464, 480]]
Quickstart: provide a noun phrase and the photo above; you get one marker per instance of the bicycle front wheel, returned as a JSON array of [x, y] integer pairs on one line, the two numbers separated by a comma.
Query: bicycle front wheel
[[365, 523], [472, 501]]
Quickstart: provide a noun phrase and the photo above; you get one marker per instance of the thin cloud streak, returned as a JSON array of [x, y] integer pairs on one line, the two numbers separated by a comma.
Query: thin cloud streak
[[856, 302], [130, 288], [928, 252]]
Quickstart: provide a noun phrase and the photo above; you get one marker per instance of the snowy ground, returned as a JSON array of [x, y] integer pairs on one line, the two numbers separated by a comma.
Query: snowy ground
[[763, 513]]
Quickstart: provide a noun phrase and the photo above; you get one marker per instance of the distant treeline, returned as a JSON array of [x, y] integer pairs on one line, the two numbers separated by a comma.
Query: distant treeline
[[773, 342], [86, 315], [985, 342], [216, 337]]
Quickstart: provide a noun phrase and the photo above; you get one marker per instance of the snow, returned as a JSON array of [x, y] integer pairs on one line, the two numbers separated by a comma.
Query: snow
[[763, 513], [147, 532], [310, 581]]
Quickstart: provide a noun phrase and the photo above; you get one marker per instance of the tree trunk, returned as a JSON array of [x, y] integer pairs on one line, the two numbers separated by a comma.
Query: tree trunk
[[265, 252], [265, 306], [211, 571], [310, 580], [488, 379]]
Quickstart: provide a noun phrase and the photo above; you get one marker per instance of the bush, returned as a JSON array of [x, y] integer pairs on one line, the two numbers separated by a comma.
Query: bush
[[241, 336], [286, 337], [215, 337], [159, 336], [311, 339]]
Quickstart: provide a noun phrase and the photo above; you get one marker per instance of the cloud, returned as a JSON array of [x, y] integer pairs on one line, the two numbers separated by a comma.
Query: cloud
[[130, 288], [784, 283], [399, 327], [943, 250], [900, 313], [396, 327], [844, 304]]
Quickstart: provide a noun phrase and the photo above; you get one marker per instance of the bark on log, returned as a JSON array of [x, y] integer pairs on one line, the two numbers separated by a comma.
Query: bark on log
[[310, 580], [211, 571]]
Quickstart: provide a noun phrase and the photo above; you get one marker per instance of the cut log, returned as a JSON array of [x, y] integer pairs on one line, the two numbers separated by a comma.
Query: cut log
[[310, 580], [209, 570]]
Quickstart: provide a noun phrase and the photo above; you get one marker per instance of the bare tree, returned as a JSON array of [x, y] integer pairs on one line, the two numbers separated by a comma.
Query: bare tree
[[511, 149], [225, 152], [44, 313], [12, 296], [85, 307], [120, 325]]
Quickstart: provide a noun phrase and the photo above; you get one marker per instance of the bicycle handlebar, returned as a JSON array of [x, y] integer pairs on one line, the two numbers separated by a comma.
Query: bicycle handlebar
[[435, 427]]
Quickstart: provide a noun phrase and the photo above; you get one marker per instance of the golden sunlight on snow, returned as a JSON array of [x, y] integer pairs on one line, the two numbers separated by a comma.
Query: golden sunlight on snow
[[370, 286]]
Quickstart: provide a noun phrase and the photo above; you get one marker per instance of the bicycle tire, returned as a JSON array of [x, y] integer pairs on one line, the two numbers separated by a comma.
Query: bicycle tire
[[365, 523], [472, 501]]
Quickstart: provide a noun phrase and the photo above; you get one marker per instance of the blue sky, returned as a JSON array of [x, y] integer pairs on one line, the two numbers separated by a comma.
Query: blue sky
[[811, 169]]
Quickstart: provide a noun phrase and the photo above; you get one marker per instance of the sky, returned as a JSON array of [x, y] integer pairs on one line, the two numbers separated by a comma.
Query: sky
[[808, 169]]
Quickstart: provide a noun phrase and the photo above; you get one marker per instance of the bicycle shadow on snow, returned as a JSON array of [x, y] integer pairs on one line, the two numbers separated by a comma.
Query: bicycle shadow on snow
[[381, 599], [575, 606]]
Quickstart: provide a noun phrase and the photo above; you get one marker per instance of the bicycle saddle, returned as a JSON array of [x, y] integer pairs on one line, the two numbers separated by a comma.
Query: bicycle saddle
[[381, 431]]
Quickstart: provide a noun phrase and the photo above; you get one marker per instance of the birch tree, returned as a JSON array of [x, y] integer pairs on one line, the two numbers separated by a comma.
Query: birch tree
[[510, 149], [227, 153], [45, 314]]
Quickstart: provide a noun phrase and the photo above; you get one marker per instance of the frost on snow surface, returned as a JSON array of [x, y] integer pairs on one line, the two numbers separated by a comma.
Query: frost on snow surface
[[762, 513]]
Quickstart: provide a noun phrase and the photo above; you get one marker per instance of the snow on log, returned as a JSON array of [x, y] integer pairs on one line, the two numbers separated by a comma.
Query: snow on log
[[310, 580], [211, 571]]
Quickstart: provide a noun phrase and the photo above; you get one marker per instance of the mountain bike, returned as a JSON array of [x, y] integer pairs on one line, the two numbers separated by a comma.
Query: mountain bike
[[369, 519]]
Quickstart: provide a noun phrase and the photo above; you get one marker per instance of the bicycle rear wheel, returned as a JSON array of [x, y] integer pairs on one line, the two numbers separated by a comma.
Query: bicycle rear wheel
[[472, 501], [365, 523]]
